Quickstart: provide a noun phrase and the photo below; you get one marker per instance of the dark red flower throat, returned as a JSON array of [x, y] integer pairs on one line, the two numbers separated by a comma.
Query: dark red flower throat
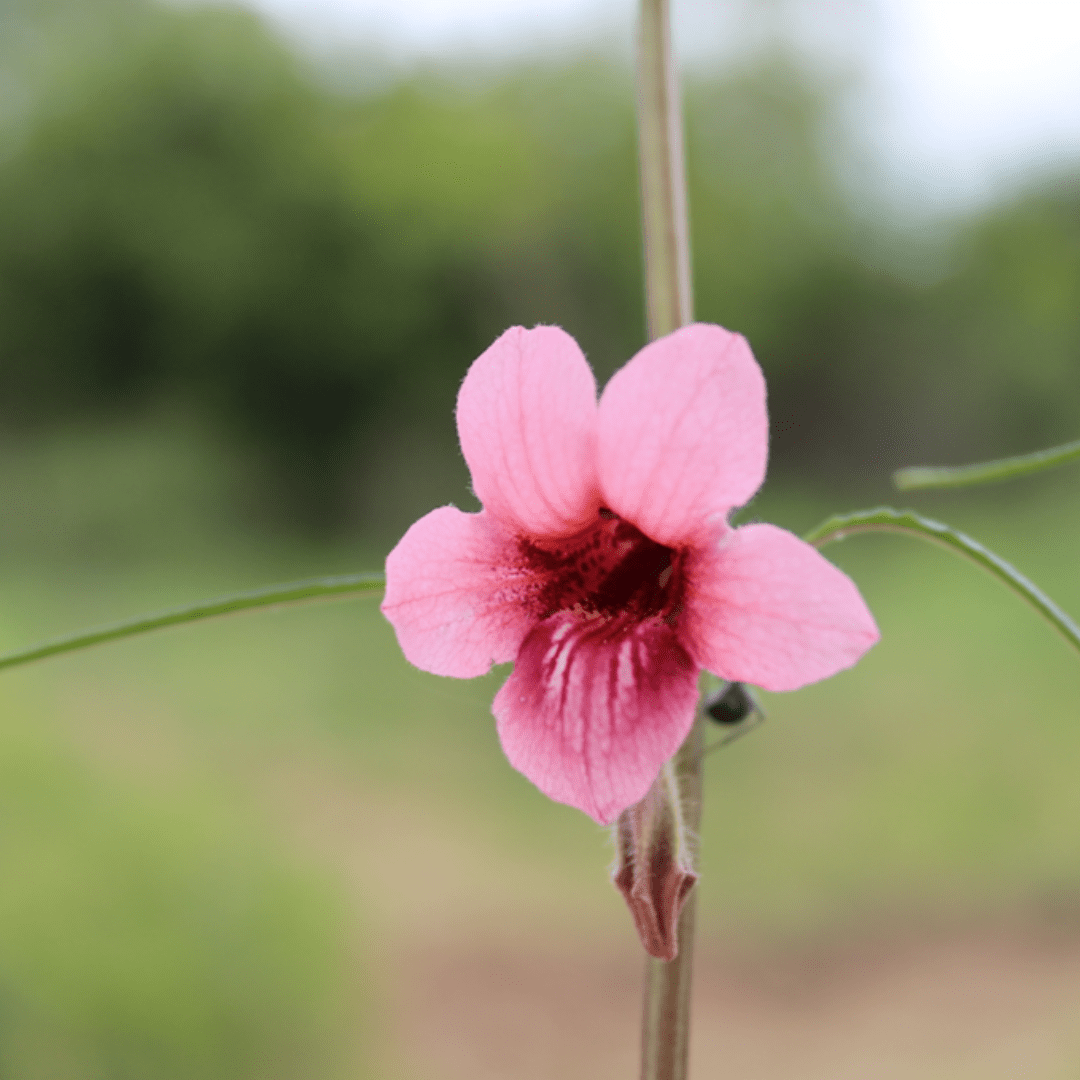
[[611, 570]]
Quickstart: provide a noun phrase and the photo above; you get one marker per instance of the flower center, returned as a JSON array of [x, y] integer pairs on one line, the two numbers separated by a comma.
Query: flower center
[[610, 570]]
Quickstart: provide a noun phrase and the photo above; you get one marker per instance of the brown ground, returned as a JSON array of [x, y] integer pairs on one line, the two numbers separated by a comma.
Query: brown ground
[[994, 1005], [478, 980]]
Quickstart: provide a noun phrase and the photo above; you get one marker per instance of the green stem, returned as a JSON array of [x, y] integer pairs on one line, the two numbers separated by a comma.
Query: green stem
[[668, 291], [290, 593], [985, 472], [885, 519], [669, 305]]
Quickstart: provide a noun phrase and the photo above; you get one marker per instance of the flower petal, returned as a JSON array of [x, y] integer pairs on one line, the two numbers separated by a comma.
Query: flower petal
[[454, 595], [768, 609], [526, 418], [593, 710], [683, 432]]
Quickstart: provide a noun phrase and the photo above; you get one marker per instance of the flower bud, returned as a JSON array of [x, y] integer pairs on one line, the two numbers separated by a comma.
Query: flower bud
[[654, 864]]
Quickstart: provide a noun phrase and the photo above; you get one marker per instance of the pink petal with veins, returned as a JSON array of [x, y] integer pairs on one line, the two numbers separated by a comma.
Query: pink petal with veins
[[453, 596], [683, 433], [770, 610], [592, 710], [526, 417]]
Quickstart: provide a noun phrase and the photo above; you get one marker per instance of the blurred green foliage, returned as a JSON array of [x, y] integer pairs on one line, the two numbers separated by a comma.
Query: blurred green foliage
[[187, 215], [153, 935]]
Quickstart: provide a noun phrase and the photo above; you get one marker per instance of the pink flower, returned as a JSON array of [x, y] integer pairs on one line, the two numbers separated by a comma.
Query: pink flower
[[602, 562]]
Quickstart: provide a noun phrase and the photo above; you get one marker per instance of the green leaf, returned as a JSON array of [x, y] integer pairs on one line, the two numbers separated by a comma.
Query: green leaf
[[985, 472], [290, 593], [886, 519]]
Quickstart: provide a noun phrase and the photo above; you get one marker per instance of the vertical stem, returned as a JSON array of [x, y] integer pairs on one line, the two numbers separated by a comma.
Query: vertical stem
[[669, 305], [668, 294]]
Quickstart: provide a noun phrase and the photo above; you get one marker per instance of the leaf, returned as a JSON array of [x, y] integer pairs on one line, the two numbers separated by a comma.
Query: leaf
[[886, 519], [985, 472], [290, 593]]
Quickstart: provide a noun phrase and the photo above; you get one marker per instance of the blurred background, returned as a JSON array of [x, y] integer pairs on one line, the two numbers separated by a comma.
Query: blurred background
[[246, 257]]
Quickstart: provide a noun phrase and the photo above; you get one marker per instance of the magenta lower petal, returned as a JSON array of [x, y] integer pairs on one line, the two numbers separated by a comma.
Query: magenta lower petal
[[594, 708], [770, 610], [455, 594]]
